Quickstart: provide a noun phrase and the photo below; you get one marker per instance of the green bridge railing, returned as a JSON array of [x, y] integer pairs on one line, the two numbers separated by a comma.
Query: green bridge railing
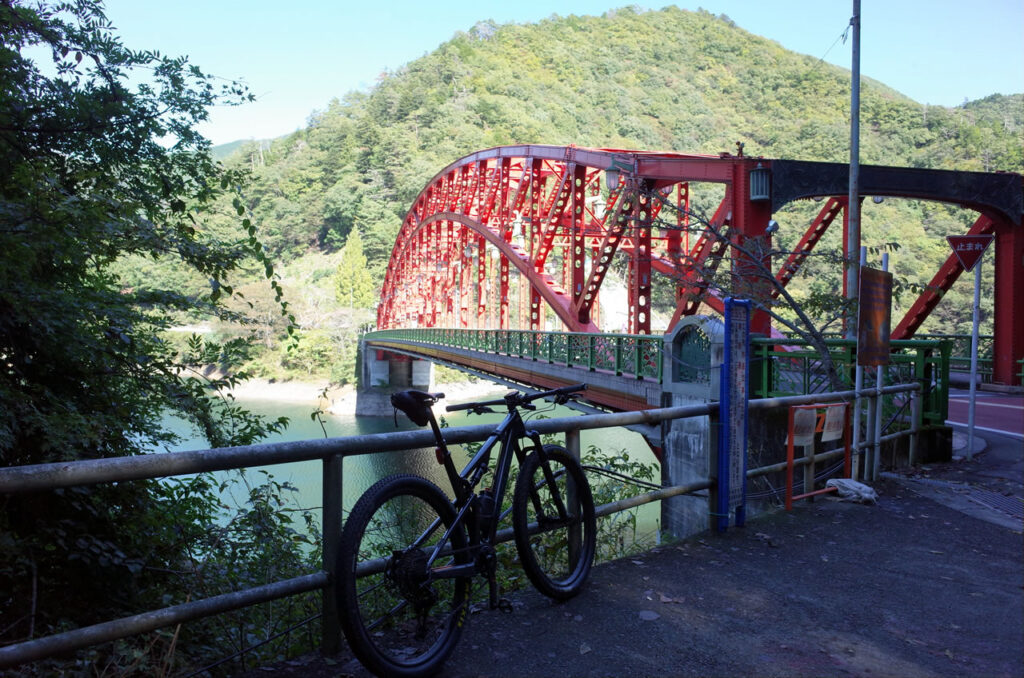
[[779, 367], [787, 367], [960, 352], [635, 355]]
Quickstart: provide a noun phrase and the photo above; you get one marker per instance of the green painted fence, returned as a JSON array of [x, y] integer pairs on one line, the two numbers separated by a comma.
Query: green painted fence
[[631, 355], [789, 367], [780, 367]]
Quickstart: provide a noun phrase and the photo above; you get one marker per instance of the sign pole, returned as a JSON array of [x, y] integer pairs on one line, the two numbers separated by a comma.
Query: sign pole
[[858, 460], [876, 457], [732, 415], [969, 249], [853, 199], [976, 316]]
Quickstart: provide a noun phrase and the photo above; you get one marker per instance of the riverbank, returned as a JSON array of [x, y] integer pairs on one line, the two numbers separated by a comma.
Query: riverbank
[[342, 400], [285, 391]]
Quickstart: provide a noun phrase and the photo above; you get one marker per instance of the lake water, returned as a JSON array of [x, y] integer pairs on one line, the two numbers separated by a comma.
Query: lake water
[[360, 472]]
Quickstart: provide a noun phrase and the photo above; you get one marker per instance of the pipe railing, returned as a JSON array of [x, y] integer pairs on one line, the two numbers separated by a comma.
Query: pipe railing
[[40, 477]]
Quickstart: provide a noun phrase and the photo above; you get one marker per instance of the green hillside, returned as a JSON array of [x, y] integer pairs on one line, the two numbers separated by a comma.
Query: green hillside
[[655, 80], [225, 151], [665, 80]]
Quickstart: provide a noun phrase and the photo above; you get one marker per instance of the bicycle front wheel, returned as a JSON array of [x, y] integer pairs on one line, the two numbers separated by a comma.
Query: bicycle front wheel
[[554, 523], [400, 617]]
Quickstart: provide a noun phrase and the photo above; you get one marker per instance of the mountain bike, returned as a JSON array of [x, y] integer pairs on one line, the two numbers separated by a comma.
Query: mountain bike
[[408, 554]]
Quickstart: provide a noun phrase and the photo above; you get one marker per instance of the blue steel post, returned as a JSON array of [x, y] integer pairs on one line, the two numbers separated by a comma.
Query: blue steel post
[[734, 385]]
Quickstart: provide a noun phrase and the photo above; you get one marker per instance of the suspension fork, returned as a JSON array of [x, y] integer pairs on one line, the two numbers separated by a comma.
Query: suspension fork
[[549, 479], [575, 531]]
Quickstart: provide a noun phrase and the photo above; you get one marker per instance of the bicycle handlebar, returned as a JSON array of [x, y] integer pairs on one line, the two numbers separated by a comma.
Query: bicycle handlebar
[[517, 398]]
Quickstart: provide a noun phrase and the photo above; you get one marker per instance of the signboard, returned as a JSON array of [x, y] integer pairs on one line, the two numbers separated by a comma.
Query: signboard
[[874, 318], [804, 421], [834, 419], [738, 378], [969, 248], [732, 441]]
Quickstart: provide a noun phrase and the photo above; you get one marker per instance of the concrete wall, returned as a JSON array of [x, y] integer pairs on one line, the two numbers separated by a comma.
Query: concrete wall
[[689, 455]]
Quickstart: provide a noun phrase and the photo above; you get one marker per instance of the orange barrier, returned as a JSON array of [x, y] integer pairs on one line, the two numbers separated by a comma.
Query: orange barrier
[[809, 467]]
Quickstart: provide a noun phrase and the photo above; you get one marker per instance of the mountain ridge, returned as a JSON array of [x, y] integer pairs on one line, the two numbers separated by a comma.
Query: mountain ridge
[[667, 79]]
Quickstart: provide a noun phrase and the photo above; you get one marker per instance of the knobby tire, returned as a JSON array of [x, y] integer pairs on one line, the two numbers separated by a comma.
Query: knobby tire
[[399, 621], [556, 549]]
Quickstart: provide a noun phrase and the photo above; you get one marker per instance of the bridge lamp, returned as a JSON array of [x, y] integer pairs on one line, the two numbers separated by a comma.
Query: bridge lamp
[[517, 223], [878, 200], [611, 179], [772, 227], [760, 183]]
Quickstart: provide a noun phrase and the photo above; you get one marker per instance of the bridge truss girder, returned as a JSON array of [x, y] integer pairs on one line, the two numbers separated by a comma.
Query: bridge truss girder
[[559, 216]]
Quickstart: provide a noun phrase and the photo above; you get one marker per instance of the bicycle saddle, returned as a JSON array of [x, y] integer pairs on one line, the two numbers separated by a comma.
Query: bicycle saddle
[[415, 404]]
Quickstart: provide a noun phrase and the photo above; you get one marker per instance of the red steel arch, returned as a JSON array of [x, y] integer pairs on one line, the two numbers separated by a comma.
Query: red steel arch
[[540, 210], [557, 215]]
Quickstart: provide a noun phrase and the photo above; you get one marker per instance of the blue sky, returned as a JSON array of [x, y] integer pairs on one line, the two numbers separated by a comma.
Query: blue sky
[[296, 56]]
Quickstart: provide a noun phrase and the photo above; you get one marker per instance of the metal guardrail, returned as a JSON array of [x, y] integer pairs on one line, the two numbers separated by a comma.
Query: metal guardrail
[[790, 367], [960, 352], [331, 452], [637, 355], [782, 367]]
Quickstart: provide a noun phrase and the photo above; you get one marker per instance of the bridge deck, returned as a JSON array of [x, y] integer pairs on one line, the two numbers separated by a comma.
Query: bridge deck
[[605, 388]]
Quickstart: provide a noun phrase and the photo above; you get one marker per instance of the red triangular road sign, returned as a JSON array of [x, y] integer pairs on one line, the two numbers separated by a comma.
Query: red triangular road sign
[[969, 248]]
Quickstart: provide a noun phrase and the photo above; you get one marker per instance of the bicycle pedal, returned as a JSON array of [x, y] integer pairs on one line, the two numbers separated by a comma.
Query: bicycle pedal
[[504, 605]]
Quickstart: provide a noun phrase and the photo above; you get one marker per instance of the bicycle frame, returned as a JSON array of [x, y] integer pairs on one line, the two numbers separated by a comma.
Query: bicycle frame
[[467, 504]]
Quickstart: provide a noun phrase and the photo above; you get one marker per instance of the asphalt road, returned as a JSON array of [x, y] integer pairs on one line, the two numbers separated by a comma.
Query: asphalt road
[[995, 412]]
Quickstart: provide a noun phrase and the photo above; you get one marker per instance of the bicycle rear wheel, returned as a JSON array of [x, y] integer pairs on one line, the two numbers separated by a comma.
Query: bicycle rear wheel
[[554, 523], [399, 619]]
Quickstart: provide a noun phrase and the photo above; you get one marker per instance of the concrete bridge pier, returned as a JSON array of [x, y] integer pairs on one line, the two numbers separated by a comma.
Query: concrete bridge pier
[[382, 373], [689, 446]]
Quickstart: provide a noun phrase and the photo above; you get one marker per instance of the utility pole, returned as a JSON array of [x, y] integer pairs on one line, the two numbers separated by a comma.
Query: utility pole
[[853, 202]]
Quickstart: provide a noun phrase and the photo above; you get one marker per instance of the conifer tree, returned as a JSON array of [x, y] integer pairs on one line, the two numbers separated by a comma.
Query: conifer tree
[[353, 283]]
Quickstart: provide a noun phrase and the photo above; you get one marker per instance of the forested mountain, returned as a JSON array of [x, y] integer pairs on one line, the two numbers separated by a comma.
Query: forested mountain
[[664, 80], [653, 80]]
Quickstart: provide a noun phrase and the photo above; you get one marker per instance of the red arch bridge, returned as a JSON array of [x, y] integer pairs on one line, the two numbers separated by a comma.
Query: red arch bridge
[[523, 238]]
